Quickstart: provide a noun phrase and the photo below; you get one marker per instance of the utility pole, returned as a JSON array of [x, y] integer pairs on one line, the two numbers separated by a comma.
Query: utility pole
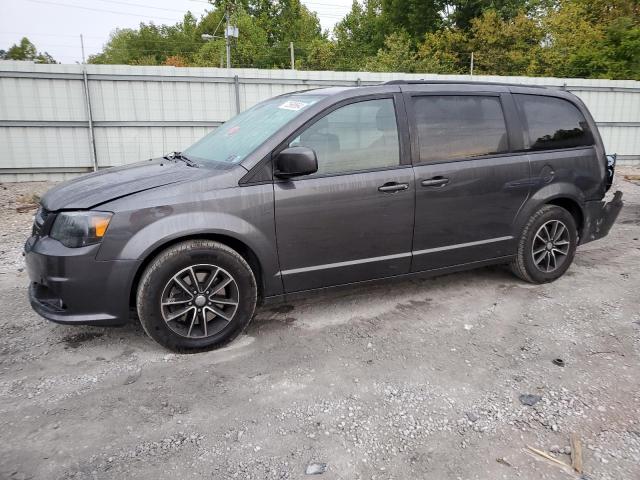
[[293, 56], [82, 47], [226, 39], [472, 64], [87, 100], [229, 32]]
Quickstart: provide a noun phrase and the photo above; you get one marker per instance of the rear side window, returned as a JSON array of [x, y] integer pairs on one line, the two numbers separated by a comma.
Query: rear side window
[[459, 126], [552, 123]]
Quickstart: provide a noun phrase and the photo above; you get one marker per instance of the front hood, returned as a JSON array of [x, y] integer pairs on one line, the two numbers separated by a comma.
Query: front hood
[[91, 190]]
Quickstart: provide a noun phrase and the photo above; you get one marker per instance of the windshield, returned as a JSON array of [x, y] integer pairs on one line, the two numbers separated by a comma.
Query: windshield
[[241, 135]]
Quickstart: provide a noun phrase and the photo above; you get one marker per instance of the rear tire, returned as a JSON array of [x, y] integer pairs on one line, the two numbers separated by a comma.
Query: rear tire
[[546, 246], [196, 296]]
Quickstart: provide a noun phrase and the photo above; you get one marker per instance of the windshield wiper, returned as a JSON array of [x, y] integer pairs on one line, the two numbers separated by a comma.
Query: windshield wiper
[[182, 157]]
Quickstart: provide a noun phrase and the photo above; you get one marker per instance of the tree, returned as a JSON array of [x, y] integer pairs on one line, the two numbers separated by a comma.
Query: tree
[[320, 55], [359, 35], [416, 17], [505, 46], [285, 21], [151, 44], [500, 46], [593, 39], [398, 55], [463, 12], [444, 51], [266, 28], [250, 50], [623, 38], [573, 38], [282, 22], [176, 61], [603, 11], [572, 43], [26, 50]]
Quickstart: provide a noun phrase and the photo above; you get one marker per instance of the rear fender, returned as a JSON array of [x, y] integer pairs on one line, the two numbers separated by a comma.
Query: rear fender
[[546, 195]]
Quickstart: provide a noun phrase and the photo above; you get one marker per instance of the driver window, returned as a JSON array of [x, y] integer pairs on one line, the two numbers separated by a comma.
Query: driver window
[[358, 136]]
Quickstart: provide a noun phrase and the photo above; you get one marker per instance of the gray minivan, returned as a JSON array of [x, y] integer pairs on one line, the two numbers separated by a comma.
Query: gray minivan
[[322, 188]]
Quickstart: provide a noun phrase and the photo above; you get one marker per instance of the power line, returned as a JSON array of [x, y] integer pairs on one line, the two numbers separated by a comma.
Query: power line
[[131, 14], [166, 42], [303, 2], [46, 34], [133, 4]]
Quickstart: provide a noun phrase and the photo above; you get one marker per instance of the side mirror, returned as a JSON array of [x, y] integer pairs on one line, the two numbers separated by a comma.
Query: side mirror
[[296, 161]]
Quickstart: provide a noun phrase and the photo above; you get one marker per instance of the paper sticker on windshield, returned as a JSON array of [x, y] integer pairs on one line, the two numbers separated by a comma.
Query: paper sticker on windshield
[[293, 105]]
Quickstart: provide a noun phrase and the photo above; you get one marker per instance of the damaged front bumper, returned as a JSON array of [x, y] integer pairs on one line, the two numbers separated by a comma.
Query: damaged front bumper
[[600, 217], [68, 285]]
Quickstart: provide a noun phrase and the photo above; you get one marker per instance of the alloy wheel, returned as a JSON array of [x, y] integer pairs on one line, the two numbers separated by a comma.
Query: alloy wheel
[[551, 246], [199, 301]]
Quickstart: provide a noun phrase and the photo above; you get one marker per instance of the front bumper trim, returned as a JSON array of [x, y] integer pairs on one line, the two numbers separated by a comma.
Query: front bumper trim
[[68, 285], [60, 316]]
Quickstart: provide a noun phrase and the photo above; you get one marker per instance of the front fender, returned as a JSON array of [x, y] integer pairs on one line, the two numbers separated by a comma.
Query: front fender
[[168, 229], [245, 215]]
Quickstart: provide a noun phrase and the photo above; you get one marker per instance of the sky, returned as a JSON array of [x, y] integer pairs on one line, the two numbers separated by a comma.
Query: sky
[[55, 26]]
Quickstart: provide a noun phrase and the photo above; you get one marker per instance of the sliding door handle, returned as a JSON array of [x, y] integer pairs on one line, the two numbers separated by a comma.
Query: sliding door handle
[[391, 187], [435, 182]]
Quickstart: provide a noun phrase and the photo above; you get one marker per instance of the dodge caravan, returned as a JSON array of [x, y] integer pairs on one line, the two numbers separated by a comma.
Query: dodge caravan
[[323, 188]]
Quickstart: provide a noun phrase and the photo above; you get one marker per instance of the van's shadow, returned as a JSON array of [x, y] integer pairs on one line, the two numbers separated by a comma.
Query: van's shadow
[[359, 300]]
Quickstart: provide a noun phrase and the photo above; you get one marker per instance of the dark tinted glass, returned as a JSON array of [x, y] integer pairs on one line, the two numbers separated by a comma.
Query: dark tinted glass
[[552, 122], [459, 126]]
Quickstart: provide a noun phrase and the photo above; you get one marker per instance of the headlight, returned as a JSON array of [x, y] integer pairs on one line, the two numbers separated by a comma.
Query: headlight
[[79, 229]]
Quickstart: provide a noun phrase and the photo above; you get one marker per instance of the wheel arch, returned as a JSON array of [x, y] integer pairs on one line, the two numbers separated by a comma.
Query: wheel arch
[[565, 195], [573, 207], [238, 245]]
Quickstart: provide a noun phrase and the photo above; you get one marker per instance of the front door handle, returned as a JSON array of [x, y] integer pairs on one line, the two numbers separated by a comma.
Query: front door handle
[[435, 182], [391, 187]]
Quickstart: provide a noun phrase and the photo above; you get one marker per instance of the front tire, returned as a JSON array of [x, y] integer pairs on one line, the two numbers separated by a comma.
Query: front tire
[[196, 295], [546, 246]]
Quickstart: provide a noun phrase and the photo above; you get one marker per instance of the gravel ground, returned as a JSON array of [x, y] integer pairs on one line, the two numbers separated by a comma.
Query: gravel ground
[[412, 379]]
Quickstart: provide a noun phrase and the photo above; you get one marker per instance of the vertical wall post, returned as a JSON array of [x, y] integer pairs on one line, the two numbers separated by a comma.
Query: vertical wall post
[[471, 64], [92, 138], [236, 82], [293, 56]]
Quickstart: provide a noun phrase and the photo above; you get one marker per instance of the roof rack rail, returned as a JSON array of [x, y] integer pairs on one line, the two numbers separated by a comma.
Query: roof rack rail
[[458, 82]]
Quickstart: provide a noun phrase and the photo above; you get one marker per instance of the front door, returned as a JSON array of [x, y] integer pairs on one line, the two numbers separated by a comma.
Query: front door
[[353, 219], [469, 186]]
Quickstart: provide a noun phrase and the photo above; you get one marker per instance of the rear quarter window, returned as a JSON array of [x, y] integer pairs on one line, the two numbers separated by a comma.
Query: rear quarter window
[[551, 123]]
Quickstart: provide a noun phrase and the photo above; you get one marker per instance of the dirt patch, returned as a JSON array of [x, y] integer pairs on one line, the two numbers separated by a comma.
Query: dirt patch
[[75, 340], [282, 309], [18, 203]]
